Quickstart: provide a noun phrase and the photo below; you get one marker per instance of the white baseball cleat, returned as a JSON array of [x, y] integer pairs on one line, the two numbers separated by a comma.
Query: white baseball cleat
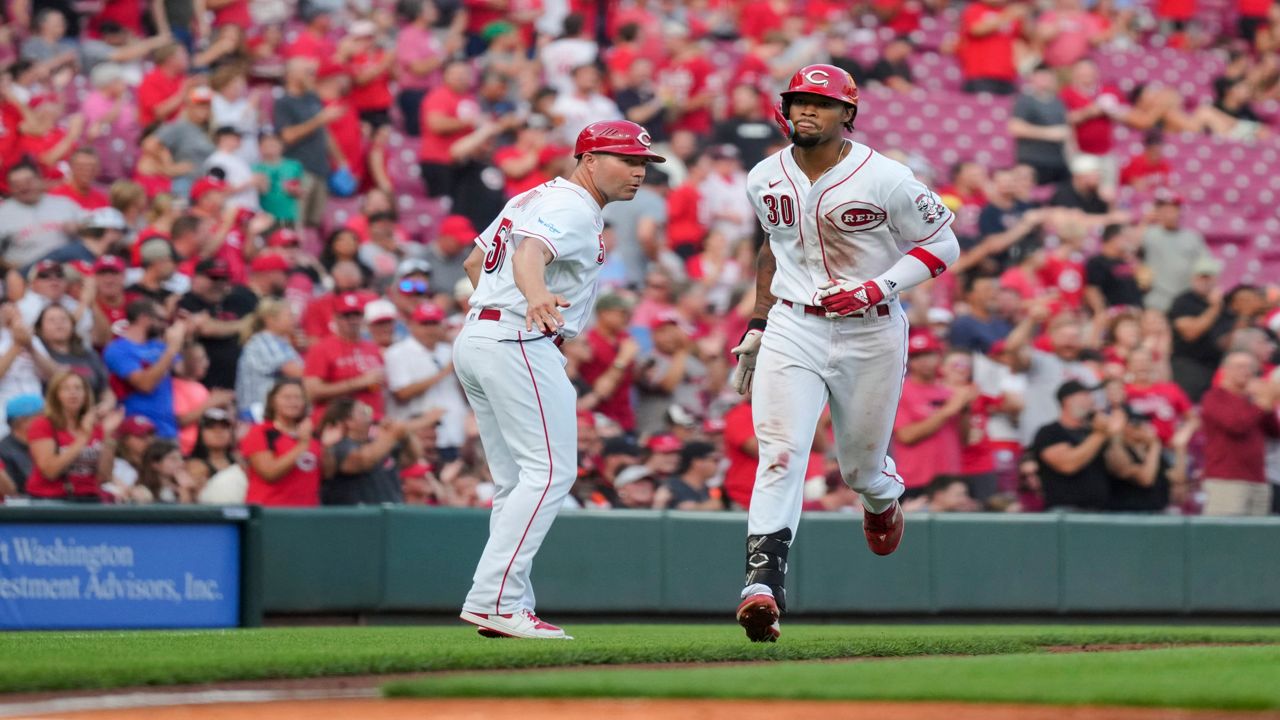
[[520, 624]]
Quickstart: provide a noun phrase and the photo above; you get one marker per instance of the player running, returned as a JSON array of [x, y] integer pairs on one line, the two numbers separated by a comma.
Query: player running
[[535, 269], [848, 229]]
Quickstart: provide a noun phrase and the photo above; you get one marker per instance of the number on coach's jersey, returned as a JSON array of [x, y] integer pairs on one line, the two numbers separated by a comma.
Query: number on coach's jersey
[[498, 247], [781, 208]]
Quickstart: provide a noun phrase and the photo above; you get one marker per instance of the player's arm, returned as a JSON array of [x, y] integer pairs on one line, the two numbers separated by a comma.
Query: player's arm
[[766, 266], [529, 267], [749, 346], [472, 265]]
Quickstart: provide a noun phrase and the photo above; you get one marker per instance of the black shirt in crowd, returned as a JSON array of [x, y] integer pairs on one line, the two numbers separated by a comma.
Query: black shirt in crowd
[[379, 485], [1194, 362], [1088, 488], [1128, 496], [1115, 279], [224, 352]]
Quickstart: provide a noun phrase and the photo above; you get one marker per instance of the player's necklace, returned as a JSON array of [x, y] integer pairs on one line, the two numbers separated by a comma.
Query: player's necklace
[[844, 150]]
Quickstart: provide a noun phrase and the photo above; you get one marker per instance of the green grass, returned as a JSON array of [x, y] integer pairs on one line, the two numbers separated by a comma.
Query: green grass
[[1235, 678], [61, 661]]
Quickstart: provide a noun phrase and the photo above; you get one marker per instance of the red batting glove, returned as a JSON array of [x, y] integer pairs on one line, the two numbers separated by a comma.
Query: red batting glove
[[845, 298]]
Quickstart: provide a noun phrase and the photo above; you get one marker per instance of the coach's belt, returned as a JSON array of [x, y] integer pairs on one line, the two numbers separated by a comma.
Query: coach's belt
[[881, 310], [495, 314]]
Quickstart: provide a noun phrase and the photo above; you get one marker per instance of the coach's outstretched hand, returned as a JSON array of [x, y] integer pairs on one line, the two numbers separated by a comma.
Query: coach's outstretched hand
[[544, 313], [746, 352]]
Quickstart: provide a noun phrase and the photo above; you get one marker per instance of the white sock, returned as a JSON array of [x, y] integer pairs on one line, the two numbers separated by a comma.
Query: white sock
[[756, 589]]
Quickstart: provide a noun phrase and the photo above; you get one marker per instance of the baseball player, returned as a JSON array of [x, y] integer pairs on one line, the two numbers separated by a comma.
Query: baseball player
[[535, 269], [848, 229]]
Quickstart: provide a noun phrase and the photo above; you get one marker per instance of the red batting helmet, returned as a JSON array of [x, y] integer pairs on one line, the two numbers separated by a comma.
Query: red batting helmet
[[825, 80], [618, 137]]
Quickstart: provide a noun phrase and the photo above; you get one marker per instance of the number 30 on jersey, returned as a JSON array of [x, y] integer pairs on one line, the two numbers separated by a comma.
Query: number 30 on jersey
[[781, 210]]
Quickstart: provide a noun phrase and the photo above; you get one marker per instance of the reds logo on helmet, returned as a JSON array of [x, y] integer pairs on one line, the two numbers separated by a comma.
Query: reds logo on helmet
[[825, 80], [857, 216], [817, 77]]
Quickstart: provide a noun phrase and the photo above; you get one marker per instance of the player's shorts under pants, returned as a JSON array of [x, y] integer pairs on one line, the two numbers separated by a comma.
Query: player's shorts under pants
[[856, 363], [524, 406]]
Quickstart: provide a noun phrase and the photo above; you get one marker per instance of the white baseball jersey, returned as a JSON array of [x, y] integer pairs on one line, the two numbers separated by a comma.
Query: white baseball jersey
[[564, 217], [857, 222]]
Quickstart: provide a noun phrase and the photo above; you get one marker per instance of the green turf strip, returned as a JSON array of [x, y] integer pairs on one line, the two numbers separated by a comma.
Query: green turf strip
[[1235, 678], [61, 661]]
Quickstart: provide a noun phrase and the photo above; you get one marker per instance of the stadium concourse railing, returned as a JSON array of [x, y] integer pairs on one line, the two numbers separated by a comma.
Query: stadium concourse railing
[[400, 559]]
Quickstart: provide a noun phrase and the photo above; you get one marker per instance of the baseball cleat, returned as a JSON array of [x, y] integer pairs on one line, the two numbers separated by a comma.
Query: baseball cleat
[[520, 624], [758, 615], [883, 530]]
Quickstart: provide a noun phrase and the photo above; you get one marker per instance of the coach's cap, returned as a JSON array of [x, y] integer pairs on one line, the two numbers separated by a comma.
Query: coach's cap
[[379, 310], [428, 313], [922, 343], [633, 474], [1207, 265], [1072, 387], [23, 406], [136, 426], [665, 444], [1167, 196]]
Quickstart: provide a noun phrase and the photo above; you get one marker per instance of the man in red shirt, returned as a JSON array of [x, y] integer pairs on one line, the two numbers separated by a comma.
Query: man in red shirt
[[687, 74], [344, 365], [1091, 108], [1149, 168], [1063, 268], [162, 90], [1164, 402], [611, 368], [987, 33], [926, 431], [1238, 415], [742, 451], [313, 40], [333, 87], [370, 68], [230, 12], [318, 316], [449, 113], [79, 186], [109, 308], [686, 217]]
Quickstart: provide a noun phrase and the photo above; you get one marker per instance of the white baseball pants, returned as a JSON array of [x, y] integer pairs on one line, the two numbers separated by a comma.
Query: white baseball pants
[[805, 360], [525, 410]]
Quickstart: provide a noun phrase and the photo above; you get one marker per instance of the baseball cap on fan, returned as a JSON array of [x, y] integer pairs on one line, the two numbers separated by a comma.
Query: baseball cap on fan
[[922, 343]]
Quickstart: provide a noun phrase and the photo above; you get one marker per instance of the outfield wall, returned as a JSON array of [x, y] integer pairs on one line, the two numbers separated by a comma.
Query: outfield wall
[[399, 559]]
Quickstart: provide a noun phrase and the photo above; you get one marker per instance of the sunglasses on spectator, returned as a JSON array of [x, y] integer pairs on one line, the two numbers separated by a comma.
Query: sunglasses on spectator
[[413, 287], [55, 273]]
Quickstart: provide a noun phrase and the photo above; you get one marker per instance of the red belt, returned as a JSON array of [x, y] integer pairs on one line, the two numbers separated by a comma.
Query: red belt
[[881, 310], [495, 314]]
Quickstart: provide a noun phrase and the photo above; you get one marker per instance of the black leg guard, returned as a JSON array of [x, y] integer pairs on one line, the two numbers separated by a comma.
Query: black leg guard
[[767, 562]]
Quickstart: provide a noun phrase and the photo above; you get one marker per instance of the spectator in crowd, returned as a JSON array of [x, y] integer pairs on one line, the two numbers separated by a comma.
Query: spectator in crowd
[[361, 468], [1170, 252], [687, 214], [690, 488], [674, 374], [982, 324], [989, 31], [419, 55], [302, 121], [1111, 276], [156, 257], [1068, 32], [947, 493], [929, 425], [191, 396], [109, 109], [219, 310], [1239, 415], [242, 186], [15, 448], [609, 368], [636, 489], [746, 127], [234, 106], [282, 453], [1202, 320], [215, 449], [73, 444], [268, 355], [1092, 110], [638, 227], [1075, 451], [1146, 477], [282, 188], [526, 162], [1149, 168], [165, 88], [134, 435], [48, 286], [55, 329], [380, 321], [348, 279], [1039, 128], [420, 378], [1047, 370], [164, 474], [141, 361], [79, 186], [343, 364], [22, 365], [583, 103], [102, 232], [564, 55], [370, 68], [1167, 406], [445, 255], [892, 68], [187, 138], [449, 113], [1083, 192], [33, 223]]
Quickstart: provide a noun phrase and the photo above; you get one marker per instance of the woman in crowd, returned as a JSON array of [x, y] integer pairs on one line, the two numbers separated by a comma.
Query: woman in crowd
[[165, 476], [343, 244], [282, 451], [268, 355], [191, 398], [56, 331], [73, 445], [215, 448]]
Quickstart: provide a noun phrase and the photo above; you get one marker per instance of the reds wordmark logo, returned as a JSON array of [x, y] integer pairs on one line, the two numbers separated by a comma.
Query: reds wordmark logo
[[857, 216]]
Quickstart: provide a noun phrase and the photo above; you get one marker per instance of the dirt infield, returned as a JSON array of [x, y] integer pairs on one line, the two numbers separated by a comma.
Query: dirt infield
[[371, 709]]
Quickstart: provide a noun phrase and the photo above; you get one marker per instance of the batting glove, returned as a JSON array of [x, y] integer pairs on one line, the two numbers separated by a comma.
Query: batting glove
[[746, 352], [843, 298]]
